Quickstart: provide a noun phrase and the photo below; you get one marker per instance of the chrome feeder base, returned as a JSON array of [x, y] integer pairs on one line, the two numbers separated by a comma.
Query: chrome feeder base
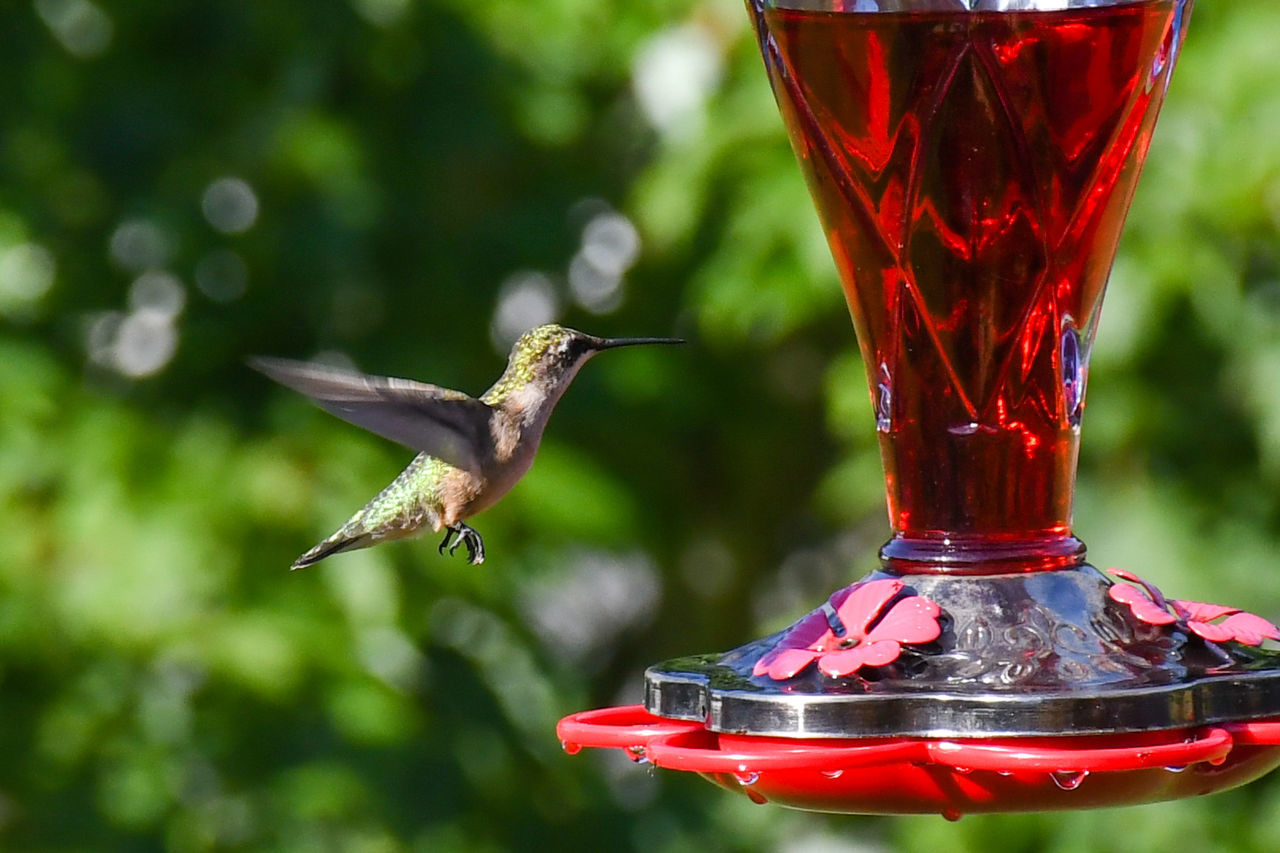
[[1019, 655]]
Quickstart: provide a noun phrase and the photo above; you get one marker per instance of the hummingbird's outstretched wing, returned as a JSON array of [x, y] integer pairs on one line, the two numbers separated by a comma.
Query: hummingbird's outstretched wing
[[448, 425]]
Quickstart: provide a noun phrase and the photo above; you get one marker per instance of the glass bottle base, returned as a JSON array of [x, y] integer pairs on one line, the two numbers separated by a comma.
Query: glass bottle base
[[981, 555]]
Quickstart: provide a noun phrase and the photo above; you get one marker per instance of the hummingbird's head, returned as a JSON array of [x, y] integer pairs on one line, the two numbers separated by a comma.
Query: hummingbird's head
[[550, 355]]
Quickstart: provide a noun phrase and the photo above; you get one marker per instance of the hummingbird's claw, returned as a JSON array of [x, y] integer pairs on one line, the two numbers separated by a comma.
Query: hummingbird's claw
[[466, 536], [448, 537], [475, 547]]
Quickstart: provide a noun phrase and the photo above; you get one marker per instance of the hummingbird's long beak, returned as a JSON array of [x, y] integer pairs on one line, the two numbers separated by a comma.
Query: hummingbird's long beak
[[611, 343]]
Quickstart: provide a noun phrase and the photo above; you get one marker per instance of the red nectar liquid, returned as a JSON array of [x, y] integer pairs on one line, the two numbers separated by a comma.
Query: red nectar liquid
[[972, 171]]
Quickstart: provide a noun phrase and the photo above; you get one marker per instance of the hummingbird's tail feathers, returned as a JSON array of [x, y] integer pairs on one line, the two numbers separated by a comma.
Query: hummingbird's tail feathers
[[335, 544]]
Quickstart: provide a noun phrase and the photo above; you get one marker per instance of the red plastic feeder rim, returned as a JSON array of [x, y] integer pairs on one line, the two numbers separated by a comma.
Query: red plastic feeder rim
[[689, 746]]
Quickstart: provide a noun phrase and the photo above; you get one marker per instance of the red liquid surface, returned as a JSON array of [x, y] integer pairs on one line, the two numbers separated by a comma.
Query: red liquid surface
[[972, 171]]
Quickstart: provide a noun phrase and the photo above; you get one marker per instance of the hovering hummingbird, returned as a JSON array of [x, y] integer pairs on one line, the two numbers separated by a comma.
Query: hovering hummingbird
[[471, 451]]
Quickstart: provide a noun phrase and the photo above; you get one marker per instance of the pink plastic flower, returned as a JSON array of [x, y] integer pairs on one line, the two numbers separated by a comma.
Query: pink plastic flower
[[1150, 606], [873, 633]]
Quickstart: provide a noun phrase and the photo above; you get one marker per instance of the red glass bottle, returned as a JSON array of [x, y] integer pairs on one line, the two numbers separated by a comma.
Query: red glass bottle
[[972, 171]]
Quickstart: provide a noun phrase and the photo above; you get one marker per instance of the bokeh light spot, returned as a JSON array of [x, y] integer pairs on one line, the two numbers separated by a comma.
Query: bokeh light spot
[[611, 243], [230, 205], [673, 76], [525, 300], [139, 244], [610, 246], [27, 271], [81, 27], [141, 342], [159, 292], [100, 335], [145, 342], [382, 13], [596, 290]]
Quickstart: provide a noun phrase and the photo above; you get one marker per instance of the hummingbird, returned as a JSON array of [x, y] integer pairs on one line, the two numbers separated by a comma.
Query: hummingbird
[[471, 451]]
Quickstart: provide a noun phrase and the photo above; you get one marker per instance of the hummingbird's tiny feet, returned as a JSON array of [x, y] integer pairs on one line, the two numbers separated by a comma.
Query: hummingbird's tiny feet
[[466, 536], [448, 537], [475, 547]]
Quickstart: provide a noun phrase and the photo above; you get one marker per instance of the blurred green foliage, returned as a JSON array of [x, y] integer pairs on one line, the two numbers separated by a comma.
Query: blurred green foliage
[[183, 184]]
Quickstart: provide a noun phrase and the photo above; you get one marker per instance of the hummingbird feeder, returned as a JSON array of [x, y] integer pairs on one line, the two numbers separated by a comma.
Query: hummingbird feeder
[[972, 164]]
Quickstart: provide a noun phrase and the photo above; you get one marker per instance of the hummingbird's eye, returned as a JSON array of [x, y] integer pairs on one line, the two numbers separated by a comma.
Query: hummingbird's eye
[[573, 349]]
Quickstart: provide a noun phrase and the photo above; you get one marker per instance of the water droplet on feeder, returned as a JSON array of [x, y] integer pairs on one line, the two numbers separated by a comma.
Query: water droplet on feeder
[[570, 748], [831, 774], [963, 771], [1068, 780], [745, 779], [757, 797], [952, 815], [636, 754], [1176, 769]]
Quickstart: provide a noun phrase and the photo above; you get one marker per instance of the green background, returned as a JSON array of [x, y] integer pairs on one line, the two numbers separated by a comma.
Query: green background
[[183, 184]]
